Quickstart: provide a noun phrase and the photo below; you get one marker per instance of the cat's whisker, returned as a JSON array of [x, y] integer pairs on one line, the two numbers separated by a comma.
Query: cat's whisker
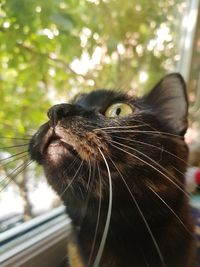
[[152, 166], [81, 191], [88, 194], [145, 132], [76, 186], [12, 156], [142, 123], [89, 176], [98, 219], [179, 170], [142, 215], [12, 175], [107, 224], [156, 147], [90, 181], [178, 183], [11, 161], [9, 147], [143, 154], [135, 126], [146, 124], [72, 180], [69, 168], [119, 127], [71, 165], [15, 138], [177, 217]]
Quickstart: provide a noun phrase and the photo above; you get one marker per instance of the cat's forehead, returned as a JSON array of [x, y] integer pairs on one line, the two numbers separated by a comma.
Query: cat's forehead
[[99, 99]]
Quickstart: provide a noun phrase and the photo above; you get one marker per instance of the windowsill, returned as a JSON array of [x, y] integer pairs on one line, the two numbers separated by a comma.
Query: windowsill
[[39, 242]]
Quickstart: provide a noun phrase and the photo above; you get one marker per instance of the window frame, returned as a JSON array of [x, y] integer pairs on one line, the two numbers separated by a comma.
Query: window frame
[[187, 36], [28, 244]]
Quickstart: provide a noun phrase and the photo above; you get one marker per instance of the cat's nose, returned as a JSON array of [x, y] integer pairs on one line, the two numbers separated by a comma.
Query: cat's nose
[[58, 112]]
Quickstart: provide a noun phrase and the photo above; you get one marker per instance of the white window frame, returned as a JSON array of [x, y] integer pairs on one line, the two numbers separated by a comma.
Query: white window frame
[[39, 242], [187, 35]]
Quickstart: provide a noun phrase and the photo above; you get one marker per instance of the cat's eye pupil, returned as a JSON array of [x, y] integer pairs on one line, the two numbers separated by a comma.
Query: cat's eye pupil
[[118, 111]]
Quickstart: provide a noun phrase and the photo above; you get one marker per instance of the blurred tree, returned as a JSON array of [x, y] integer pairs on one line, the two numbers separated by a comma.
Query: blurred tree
[[59, 47]]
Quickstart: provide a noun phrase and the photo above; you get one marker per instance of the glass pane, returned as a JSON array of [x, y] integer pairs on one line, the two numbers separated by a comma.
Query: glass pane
[[194, 97], [193, 134]]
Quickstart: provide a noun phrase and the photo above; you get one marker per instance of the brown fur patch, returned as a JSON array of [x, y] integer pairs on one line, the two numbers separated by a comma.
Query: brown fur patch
[[74, 257]]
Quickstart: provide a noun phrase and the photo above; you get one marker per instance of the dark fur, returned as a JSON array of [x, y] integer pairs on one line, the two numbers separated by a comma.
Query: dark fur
[[128, 241]]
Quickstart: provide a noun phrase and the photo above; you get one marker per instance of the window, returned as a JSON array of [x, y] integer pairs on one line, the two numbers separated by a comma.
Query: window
[[49, 51], [194, 97]]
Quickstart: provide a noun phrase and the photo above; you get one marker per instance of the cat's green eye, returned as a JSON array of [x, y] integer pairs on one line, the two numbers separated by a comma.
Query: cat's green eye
[[118, 110]]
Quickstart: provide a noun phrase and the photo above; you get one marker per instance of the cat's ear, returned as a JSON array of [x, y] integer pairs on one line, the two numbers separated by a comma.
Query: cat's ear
[[169, 100]]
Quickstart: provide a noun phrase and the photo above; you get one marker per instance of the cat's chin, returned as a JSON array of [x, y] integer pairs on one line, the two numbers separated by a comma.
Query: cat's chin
[[58, 151]]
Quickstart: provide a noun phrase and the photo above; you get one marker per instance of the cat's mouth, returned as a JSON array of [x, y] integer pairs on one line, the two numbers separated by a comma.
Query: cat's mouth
[[61, 143], [56, 146], [57, 142]]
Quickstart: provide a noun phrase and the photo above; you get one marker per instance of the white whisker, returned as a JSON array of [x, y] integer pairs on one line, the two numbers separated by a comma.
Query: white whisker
[[142, 215], [120, 127], [98, 218], [142, 123], [105, 233], [89, 190], [12, 175], [177, 217], [69, 168], [143, 143], [73, 178], [145, 132], [89, 177], [149, 164]]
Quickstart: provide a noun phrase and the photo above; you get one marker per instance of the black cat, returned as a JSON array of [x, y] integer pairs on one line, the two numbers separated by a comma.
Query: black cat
[[118, 164]]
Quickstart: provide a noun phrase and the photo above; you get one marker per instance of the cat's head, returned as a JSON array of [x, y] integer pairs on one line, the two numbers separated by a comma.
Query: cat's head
[[138, 142]]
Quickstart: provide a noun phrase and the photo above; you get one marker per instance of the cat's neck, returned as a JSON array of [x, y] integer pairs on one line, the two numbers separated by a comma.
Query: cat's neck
[[134, 242]]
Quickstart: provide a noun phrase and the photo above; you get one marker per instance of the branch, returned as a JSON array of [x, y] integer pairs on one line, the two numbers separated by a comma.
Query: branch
[[61, 62]]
